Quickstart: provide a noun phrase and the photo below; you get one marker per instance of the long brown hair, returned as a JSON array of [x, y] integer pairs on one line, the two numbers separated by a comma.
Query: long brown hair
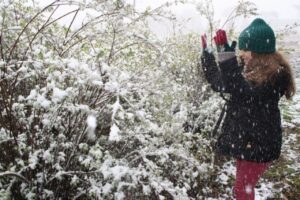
[[264, 68]]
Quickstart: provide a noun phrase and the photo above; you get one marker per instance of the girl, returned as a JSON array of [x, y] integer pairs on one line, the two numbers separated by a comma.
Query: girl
[[251, 131]]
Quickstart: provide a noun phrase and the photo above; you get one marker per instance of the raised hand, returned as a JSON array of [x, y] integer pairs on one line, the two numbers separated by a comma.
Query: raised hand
[[221, 42], [220, 38]]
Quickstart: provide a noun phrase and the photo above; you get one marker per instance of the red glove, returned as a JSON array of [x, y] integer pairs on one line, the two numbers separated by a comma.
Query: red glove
[[220, 38], [204, 42]]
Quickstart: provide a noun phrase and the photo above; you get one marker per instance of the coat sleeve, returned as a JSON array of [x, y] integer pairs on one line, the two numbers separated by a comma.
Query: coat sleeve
[[211, 71]]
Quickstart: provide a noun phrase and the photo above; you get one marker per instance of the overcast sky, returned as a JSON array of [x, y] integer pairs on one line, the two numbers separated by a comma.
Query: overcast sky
[[277, 13]]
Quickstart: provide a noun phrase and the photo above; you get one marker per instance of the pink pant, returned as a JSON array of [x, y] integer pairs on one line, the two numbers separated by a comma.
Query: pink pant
[[247, 175]]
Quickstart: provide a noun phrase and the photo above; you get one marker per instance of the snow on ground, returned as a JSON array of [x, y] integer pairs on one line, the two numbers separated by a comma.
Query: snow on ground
[[264, 191]]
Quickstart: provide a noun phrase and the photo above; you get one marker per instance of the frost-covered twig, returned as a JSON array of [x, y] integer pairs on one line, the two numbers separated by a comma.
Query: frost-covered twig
[[79, 195], [71, 173], [89, 23], [72, 45], [1, 38], [15, 175], [108, 61], [26, 26], [71, 23], [7, 140], [147, 42], [36, 34]]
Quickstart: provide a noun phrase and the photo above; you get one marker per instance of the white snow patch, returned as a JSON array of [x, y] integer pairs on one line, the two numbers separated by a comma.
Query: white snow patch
[[146, 189], [114, 133], [296, 120], [98, 83], [112, 86], [116, 172], [223, 178], [73, 63], [30, 195], [264, 192], [92, 124], [43, 101], [116, 107], [119, 196], [58, 94], [46, 122], [74, 180], [47, 156], [32, 95], [33, 160], [97, 153], [106, 189]]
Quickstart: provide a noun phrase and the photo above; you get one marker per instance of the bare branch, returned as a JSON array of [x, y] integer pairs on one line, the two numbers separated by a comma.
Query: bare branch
[[88, 23], [108, 61], [35, 35], [71, 24], [67, 49], [1, 37], [46, 25], [26, 26]]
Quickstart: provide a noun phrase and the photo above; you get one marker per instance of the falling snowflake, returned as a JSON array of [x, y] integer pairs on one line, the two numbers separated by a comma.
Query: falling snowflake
[[248, 189]]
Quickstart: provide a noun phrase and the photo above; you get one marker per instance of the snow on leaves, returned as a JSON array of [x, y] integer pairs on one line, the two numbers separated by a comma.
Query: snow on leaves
[[101, 116]]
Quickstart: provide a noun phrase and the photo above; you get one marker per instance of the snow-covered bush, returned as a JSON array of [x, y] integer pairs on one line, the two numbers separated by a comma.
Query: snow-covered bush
[[100, 112]]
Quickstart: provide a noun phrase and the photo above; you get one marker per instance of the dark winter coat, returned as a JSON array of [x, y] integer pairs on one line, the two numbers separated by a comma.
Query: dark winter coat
[[252, 128]]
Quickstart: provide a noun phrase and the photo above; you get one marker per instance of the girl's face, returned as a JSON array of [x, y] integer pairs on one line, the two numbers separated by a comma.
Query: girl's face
[[246, 56]]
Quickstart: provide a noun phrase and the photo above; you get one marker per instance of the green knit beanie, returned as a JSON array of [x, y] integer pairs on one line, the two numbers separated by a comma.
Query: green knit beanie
[[258, 37]]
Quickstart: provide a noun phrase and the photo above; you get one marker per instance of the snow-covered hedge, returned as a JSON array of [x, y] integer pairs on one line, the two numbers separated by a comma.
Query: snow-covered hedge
[[110, 117], [77, 133]]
